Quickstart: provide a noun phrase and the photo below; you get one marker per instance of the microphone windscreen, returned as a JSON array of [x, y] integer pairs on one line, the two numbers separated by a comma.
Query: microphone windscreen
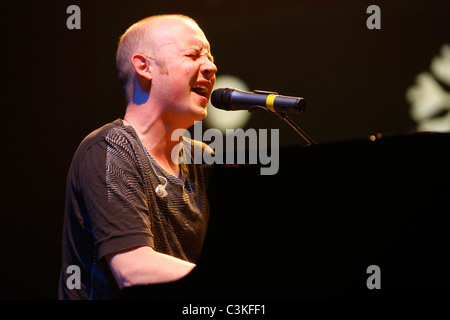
[[216, 97]]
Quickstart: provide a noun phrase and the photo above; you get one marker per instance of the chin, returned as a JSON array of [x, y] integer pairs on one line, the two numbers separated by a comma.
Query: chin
[[204, 114], [199, 113], [199, 118], [193, 117]]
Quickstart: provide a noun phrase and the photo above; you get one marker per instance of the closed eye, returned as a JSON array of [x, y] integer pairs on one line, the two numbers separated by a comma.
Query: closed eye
[[194, 55]]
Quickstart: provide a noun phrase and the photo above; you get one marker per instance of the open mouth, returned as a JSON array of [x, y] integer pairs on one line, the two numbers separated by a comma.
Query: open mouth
[[201, 89]]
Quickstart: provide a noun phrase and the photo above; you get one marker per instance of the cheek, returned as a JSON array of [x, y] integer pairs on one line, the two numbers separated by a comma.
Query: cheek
[[185, 76], [177, 82]]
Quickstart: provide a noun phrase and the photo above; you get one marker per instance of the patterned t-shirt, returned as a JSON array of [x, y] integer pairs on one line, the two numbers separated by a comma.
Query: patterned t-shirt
[[111, 206]]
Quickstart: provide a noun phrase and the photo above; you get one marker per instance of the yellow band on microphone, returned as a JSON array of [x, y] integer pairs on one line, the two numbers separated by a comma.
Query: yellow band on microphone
[[269, 102]]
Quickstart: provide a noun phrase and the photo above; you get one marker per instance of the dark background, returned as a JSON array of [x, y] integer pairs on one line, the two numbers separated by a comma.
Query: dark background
[[59, 85]]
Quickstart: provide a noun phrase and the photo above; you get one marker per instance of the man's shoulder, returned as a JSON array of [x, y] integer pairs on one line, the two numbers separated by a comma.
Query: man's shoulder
[[97, 139], [102, 132]]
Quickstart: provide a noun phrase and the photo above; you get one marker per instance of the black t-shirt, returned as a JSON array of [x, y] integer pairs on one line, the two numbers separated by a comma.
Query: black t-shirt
[[111, 206]]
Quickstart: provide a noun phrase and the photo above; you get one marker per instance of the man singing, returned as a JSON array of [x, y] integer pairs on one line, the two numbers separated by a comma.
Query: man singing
[[133, 216]]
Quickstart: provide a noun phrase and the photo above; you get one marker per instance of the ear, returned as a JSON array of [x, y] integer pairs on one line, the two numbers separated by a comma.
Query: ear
[[142, 66]]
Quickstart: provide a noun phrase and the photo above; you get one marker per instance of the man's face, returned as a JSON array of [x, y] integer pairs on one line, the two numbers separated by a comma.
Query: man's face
[[183, 85]]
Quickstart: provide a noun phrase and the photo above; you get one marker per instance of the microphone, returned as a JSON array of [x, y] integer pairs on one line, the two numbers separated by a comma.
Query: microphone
[[233, 99]]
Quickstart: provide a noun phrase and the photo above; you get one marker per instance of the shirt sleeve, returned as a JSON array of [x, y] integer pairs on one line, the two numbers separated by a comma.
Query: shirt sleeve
[[117, 212]]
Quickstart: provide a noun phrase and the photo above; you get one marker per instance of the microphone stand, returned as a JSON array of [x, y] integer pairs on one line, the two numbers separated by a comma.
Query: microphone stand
[[285, 118], [293, 125]]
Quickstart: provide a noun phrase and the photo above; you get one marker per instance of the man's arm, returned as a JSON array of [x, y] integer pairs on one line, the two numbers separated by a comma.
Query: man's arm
[[143, 265]]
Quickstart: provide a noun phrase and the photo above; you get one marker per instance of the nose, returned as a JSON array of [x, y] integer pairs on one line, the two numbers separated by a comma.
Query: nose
[[208, 69]]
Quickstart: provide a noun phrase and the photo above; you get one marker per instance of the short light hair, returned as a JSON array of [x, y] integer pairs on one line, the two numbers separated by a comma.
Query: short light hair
[[138, 39]]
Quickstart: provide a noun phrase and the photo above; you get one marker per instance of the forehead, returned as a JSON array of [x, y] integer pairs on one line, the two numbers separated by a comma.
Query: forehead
[[180, 34]]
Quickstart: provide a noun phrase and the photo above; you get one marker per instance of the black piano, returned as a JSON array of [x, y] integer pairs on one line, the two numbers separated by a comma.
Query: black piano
[[332, 211]]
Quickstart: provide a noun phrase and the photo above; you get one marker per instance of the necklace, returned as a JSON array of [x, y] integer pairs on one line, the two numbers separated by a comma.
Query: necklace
[[160, 189]]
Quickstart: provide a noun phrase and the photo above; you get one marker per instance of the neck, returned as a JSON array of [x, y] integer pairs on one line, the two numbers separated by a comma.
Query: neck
[[155, 134]]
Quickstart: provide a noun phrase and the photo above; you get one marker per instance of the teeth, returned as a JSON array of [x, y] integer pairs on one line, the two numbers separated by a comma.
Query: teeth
[[200, 89]]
